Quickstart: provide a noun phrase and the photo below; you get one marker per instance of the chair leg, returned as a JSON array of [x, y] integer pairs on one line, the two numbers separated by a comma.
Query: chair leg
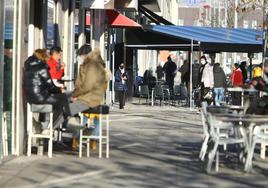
[[217, 162], [100, 137], [88, 147], [211, 157], [30, 128], [248, 165], [107, 137], [204, 148], [50, 144], [262, 152], [80, 143]]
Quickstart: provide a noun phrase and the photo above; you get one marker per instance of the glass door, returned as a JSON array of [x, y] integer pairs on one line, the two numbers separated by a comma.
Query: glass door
[[8, 69]]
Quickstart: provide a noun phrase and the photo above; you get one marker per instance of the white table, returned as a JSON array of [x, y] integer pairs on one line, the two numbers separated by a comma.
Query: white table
[[242, 90]]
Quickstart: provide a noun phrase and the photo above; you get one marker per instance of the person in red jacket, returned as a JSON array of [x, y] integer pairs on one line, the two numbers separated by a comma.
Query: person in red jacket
[[237, 76], [237, 81], [56, 68]]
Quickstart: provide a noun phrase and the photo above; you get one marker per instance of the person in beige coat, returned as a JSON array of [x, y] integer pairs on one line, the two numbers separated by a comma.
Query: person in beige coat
[[92, 80], [90, 87]]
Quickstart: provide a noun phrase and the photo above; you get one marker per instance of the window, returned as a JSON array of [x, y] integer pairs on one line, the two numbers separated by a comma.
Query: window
[[181, 22], [245, 24], [254, 24]]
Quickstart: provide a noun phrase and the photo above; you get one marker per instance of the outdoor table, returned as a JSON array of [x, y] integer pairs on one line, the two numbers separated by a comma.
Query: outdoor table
[[242, 90], [247, 123]]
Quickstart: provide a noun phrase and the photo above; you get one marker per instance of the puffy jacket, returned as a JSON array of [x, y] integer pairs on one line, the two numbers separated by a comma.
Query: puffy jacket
[[92, 80], [55, 69], [37, 82], [119, 85], [237, 78], [219, 77]]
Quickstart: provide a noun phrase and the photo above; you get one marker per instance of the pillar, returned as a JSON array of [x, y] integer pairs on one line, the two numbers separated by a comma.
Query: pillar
[[82, 20], [2, 29]]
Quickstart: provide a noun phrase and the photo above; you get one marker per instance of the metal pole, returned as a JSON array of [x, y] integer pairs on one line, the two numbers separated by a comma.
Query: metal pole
[[235, 26], [2, 29], [191, 75], [265, 29]]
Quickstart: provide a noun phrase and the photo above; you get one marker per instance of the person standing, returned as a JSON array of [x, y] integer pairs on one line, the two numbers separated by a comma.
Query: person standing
[[237, 81], [243, 68], [219, 84], [121, 79], [185, 73], [159, 72], [56, 68], [206, 80], [170, 69]]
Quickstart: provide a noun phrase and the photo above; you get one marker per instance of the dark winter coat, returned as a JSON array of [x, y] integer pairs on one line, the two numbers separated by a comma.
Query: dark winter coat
[[219, 77], [119, 86], [37, 82], [170, 69]]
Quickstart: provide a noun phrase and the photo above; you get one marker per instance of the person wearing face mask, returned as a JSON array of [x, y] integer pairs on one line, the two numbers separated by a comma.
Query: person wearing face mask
[[121, 79], [206, 80]]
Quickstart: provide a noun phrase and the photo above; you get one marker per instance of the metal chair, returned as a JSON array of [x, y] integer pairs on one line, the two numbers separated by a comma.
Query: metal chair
[[144, 93], [161, 94], [180, 93]]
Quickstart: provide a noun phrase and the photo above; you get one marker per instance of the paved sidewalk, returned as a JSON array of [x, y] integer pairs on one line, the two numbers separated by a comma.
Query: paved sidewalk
[[151, 147]]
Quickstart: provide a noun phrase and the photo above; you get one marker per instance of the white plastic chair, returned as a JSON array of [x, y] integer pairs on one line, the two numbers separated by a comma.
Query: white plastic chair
[[103, 111], [258, 135], [39, 108], [204, 146], [221, 133]]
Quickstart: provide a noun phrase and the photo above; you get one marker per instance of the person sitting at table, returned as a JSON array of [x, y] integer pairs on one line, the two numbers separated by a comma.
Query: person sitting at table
[[259, 106], [56, 68]]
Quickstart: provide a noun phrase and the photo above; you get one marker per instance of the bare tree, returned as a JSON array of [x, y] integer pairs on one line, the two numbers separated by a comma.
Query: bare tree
[[243, 8]]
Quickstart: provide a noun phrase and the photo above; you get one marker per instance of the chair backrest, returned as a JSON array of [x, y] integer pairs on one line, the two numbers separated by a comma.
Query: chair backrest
[[158, 90], [204, 116], [144, 90]]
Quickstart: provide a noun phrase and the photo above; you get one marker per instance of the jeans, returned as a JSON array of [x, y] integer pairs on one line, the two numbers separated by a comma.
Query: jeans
[[96, 122], [219, 95]]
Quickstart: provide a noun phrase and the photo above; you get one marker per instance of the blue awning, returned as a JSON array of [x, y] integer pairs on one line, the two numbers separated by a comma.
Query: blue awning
[[206, 38], [8, 31]]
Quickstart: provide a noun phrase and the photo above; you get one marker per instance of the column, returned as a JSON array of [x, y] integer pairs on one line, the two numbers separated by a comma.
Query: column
[[98, 30], [2, 29], [82, 20]]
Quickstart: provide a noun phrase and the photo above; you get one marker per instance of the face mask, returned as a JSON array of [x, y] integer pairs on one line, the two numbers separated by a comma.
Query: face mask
[[203, 62], [121, 67]]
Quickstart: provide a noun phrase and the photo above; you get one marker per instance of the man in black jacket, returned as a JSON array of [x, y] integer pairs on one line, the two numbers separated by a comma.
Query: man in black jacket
[[170, 69]]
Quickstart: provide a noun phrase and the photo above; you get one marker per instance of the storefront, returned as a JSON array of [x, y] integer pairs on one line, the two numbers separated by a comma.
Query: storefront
[[6, 68], [13, 50]]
